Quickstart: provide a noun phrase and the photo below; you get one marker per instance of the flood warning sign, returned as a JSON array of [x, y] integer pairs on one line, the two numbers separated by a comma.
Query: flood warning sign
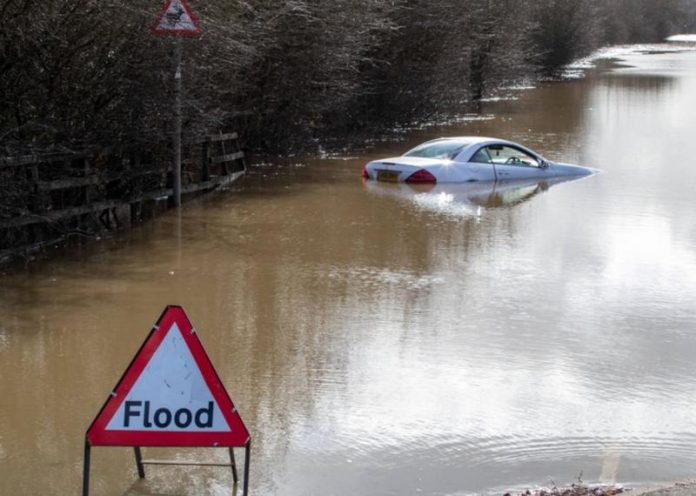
[[170, 395]]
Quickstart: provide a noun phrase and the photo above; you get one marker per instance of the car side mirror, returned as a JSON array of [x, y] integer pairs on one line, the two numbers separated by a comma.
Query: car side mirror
[[543, 164]]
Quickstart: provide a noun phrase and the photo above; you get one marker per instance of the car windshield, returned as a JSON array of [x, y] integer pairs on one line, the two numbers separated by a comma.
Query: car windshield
[[437, 149]]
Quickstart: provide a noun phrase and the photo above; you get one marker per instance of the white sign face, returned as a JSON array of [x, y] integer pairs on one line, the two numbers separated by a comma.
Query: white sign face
[[170, 395], [177, 18]]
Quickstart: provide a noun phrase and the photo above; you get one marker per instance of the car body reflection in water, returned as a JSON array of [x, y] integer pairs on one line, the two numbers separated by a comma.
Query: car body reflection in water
[[467, 199]]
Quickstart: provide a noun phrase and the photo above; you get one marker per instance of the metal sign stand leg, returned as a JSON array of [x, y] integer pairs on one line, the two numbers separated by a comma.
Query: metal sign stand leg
[[85, 470], [247, 460], [235, 477], [139, 462]]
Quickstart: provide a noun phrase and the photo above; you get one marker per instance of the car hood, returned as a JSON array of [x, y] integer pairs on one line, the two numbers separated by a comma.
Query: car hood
[[560, 169]]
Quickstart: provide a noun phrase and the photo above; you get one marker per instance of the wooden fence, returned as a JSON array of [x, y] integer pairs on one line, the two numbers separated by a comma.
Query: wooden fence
[[47, 198]]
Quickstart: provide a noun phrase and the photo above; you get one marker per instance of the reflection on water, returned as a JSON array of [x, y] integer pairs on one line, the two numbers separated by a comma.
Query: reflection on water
[[376, 340], [466, 199]]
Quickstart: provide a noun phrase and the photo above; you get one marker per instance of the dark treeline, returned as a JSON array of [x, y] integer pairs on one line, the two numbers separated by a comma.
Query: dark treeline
[[82, 73]]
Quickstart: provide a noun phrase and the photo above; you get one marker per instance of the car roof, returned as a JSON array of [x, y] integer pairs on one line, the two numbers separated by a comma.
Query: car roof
[[465, 139]]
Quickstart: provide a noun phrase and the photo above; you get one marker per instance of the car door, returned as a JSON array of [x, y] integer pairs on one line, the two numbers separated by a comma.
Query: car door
[[478, 168], [511, 162]]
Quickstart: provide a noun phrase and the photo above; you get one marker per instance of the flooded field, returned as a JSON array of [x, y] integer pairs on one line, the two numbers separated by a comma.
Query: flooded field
[[386, 340]]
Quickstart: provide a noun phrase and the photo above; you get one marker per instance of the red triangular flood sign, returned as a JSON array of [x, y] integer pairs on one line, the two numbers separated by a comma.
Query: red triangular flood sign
[[170, 395], [176, 18]]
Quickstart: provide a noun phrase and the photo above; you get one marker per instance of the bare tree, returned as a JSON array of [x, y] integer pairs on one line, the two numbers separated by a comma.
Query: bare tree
[[76, 73]]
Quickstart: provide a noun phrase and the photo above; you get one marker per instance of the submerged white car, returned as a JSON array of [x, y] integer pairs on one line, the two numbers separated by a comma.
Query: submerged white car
[[468, 159]]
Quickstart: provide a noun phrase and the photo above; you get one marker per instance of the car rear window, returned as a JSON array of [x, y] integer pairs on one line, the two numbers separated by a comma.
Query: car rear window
[[438, 149]]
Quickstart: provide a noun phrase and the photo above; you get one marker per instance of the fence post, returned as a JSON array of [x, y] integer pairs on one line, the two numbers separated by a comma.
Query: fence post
[[205, 161]]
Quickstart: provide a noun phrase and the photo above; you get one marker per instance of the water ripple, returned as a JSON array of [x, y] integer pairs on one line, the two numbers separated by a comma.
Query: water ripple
[[376, 276]]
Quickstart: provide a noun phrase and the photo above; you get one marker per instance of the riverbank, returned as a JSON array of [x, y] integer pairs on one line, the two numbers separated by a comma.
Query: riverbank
[[680, 488]]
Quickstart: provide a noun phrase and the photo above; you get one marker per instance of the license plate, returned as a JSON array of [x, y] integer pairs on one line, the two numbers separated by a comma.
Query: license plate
[[388, 176]]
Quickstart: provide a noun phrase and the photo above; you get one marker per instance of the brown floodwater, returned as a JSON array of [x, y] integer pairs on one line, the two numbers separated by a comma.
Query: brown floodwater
[[380, 340]]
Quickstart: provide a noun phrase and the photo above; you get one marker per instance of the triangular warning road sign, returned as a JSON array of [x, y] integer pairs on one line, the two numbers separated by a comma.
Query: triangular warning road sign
[[170, 395], [178, 19]]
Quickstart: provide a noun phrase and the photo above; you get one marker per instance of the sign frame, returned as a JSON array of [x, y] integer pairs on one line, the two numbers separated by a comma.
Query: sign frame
[[173, 319]]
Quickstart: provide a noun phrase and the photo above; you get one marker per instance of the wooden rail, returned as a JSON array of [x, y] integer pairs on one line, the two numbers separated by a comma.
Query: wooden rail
[[43, 198]]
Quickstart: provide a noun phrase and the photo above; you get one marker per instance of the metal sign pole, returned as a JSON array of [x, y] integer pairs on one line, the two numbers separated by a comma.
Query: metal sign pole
[[177, 124], [177, 19]]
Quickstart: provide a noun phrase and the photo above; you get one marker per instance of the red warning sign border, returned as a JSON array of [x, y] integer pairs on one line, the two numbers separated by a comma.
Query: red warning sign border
[[176, 32], [97, 435]]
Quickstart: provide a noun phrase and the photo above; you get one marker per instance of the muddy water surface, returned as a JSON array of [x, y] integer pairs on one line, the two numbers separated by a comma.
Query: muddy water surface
[[390, 341]]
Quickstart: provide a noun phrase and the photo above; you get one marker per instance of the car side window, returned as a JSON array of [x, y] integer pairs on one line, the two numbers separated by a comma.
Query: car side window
[[508, 155], [481, 156]]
